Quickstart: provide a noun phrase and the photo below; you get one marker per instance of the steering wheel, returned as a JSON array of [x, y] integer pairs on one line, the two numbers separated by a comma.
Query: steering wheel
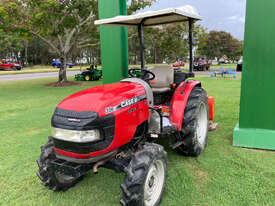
[[144, 74]]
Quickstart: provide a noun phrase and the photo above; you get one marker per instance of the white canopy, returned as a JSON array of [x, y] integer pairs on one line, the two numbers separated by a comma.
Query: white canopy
[[152, 18]]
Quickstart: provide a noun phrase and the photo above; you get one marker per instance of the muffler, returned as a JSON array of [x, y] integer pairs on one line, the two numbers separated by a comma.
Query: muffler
[[102, 162]]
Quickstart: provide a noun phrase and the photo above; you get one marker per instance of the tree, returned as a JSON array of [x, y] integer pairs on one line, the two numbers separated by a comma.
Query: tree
[[235, 49], [62, 24], [170, 42], [38, 52], [200, 37], [153, 37], [135, 5], [11, 45], [59, 23], [219, 43]]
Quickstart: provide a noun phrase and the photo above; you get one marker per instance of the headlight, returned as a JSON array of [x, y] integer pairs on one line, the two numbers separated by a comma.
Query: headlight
[[76, 136]]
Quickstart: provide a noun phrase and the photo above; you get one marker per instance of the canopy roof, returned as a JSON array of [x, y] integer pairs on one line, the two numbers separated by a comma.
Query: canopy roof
[[152, 18]]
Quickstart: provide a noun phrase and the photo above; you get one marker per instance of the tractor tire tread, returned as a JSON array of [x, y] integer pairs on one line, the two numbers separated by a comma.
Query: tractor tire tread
[[136, 172], [46, 173], [190, 146]]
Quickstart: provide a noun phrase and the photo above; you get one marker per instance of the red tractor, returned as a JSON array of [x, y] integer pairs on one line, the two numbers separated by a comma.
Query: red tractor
[[8, 65], [178, 64], [116, 125]]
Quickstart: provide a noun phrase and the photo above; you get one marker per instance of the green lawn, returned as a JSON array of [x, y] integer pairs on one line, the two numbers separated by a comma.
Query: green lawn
[[43, 68], [40, 69], [223, 175], [216, 67]]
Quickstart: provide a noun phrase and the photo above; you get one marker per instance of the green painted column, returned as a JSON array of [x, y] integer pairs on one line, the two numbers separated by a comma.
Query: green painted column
[[113, 42], [256, 128]]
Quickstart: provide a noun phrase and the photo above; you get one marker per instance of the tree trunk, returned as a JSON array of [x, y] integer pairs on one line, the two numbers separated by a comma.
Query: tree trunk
[[62, 77], [74, 58], [25, 59], [155, 55]]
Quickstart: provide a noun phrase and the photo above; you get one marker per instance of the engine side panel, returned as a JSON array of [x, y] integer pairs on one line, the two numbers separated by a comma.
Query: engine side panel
[[179, 101], [128, 120]]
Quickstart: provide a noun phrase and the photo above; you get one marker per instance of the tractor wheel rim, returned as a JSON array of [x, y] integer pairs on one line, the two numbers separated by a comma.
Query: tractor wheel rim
[[154, 183], [87, 78], [202, 124]]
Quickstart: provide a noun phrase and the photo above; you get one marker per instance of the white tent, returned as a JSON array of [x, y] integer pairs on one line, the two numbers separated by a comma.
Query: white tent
[[151, 18]]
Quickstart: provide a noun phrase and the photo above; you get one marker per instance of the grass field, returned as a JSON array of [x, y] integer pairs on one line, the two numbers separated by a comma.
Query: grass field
[[40, 69], [43, 68], [222, 176]]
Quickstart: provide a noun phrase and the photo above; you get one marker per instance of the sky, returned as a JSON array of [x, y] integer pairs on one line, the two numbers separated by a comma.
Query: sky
[[221, 15]]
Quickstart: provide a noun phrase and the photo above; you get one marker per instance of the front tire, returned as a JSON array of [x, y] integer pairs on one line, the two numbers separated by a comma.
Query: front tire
[[195, 123], [145, 178], [51, 179]]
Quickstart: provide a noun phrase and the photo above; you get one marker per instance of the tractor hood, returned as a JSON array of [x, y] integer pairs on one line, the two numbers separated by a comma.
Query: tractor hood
[[99, 98]]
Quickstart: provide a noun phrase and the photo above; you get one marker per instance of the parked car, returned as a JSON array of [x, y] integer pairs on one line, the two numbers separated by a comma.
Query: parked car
[[8, 65], [240, 65], [201, 64], [178, 64], [58, 64], [224, 61]]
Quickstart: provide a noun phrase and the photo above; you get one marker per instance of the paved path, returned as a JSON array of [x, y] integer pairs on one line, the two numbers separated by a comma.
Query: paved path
[[16, 77]]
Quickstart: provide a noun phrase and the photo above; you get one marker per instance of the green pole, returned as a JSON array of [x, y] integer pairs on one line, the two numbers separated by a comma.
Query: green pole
[[113, 42], [256, 127]]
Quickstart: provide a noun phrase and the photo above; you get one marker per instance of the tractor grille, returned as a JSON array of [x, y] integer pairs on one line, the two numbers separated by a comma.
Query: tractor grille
[[73, 120], [88, 121]]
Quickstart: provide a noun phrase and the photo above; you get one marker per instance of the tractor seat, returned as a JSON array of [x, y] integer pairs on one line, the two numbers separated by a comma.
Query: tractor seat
[[163, 80]]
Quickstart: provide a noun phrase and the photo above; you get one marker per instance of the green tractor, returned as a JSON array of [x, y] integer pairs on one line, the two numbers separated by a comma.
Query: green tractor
[[137, 71], [91, 74]]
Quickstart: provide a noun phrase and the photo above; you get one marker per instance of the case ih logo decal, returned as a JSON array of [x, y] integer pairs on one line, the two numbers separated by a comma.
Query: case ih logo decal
[[129, 102], [126, 103]]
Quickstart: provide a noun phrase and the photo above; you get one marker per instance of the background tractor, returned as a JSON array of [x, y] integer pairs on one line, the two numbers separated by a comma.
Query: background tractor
[[91, 74], [117, 125]]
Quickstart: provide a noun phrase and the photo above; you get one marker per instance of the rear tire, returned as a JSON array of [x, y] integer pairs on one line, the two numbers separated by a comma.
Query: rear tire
[[239, 68], [145, 178], [51, 179], [195, 124]]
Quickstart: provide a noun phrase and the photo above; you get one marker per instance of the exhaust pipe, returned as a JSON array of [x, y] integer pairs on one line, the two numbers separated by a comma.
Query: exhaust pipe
[[102, 162]]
